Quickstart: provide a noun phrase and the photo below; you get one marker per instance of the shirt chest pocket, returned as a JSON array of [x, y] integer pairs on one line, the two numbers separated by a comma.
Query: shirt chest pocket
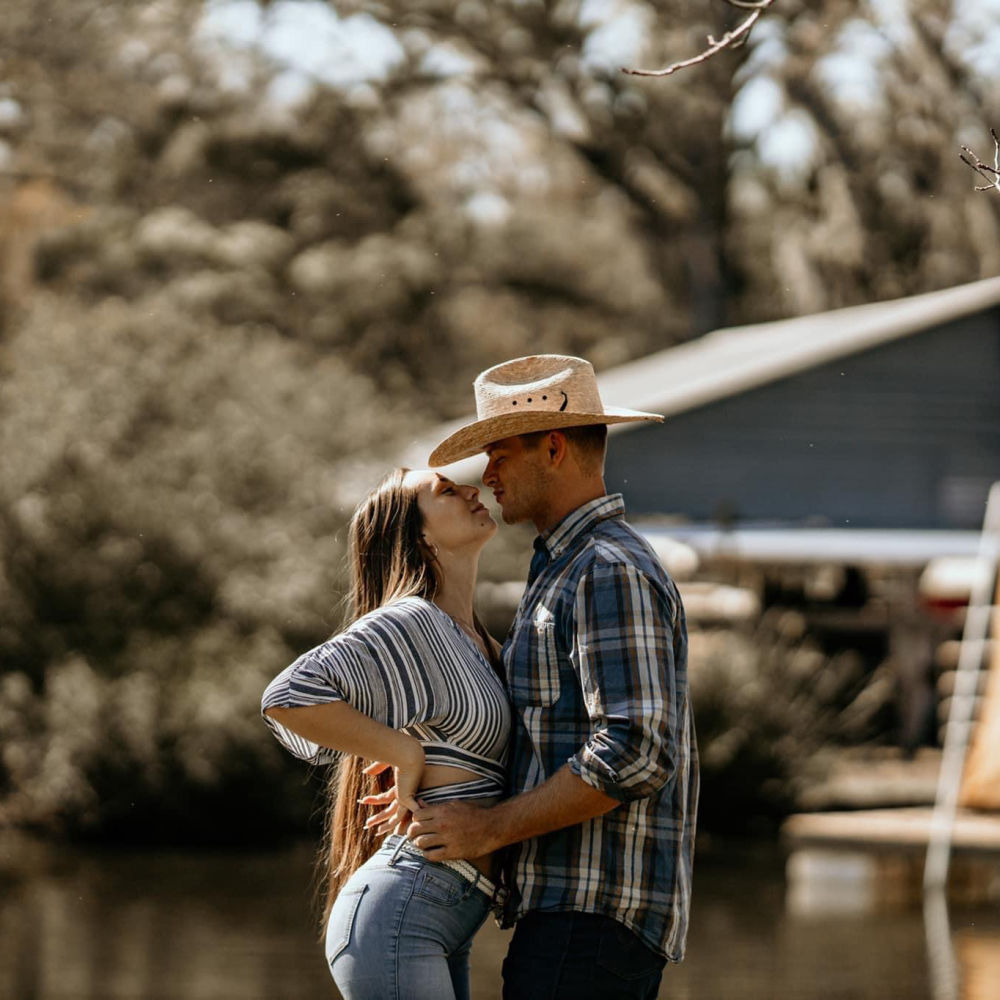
[[536, 682]]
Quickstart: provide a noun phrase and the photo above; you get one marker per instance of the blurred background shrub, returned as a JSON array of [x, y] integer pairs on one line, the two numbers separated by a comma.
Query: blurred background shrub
[[770, 707]]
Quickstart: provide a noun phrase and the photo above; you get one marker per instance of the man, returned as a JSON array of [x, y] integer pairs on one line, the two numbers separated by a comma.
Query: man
[[603, 768]]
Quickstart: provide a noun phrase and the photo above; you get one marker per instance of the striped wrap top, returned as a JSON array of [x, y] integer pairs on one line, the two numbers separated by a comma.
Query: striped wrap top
[[410, 666]]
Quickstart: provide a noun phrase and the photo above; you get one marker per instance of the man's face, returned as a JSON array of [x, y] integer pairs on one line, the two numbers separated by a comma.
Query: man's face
[[517, 476]]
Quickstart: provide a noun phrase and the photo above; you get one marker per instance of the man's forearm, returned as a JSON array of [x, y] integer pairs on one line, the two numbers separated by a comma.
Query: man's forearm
[[462, 830], [563, 800]]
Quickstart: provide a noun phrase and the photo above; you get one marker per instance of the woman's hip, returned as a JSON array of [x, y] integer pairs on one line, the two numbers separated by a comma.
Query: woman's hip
[[398, 905]]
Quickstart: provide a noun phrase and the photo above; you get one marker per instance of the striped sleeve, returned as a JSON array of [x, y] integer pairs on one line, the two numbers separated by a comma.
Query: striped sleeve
[[623, 654], [375, 666]]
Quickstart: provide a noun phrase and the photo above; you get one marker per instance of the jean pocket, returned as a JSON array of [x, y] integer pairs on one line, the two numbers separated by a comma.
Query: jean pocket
[[440, 886], [342, 919], [622, 953]]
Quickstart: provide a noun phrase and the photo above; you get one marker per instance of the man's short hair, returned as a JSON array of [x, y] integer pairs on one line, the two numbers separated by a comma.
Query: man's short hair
[[589, 444]]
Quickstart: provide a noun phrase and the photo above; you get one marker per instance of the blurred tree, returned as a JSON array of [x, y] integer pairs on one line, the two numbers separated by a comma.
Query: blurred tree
[[845, 184], [596, 201]]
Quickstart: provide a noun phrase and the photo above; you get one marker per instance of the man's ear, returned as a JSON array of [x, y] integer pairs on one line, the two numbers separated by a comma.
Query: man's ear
[[556, 447]]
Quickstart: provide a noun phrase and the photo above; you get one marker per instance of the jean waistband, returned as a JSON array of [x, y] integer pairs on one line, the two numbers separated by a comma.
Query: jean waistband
[[399, 845]]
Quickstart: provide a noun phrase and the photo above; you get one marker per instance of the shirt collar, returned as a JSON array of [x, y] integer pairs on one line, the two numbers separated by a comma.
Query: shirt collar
[[579, 522]]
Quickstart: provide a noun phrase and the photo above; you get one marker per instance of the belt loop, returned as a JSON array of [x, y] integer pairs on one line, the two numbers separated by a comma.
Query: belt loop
[[397, 850]]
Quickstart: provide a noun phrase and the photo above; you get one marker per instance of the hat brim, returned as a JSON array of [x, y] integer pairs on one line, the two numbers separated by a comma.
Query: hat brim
[[471, 439]]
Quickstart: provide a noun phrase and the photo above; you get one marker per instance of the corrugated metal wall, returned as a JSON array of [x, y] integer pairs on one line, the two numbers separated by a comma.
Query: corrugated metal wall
[[903, 435]]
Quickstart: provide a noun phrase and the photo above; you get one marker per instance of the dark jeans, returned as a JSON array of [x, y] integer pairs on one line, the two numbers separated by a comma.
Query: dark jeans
[[578, 956]]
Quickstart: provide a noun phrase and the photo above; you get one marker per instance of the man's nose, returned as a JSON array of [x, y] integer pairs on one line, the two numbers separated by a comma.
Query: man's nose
[[489, 476]]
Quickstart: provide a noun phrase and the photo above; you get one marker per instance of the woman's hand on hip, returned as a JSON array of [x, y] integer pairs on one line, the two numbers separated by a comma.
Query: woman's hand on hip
[[400, 800]]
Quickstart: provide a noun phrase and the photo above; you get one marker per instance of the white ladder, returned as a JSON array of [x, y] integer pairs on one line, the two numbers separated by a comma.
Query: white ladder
[[960, 721]]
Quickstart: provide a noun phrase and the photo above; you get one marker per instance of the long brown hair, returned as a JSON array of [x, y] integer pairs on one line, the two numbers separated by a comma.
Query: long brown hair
[[389, 559]]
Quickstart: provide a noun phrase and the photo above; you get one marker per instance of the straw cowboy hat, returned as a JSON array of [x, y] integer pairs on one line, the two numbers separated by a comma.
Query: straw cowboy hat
[[539, 393]]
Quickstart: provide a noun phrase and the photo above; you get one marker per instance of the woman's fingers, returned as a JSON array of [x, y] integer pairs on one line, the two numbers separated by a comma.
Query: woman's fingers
[[379, 798], [397, 824], [408, 802], [376, 767], [395, 819], [385, 816]]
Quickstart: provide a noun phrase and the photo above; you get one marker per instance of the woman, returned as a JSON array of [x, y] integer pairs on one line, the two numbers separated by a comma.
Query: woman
[[412, 682]]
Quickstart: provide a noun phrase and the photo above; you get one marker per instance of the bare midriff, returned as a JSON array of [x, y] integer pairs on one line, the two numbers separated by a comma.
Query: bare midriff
[[438, 775]]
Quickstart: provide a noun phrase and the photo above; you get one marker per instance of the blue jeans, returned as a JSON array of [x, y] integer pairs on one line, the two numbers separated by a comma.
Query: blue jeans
[[401, 928], [578, 956]]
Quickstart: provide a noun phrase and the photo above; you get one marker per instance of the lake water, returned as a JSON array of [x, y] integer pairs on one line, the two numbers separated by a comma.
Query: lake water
[[120, 925]]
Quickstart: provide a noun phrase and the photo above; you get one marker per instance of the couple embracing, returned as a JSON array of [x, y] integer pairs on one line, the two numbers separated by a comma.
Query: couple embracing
[[553, 781]]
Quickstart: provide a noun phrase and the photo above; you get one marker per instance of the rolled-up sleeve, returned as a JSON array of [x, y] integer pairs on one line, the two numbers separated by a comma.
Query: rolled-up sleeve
[[623, 652]]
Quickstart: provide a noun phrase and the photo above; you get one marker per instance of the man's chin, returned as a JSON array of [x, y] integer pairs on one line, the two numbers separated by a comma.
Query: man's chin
[[510, 516]]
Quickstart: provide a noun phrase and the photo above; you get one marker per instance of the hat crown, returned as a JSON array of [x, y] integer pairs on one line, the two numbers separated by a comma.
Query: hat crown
[[538, 393], [540, 383]]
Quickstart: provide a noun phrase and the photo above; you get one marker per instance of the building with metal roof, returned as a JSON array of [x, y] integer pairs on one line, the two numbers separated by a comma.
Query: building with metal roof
[[876, 418]]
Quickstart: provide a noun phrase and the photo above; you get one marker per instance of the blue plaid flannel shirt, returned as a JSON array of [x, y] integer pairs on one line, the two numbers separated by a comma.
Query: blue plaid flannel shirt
[[596, 665]]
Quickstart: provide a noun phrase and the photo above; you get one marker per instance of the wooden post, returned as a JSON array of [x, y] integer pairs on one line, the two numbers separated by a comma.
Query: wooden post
[[981, 780]]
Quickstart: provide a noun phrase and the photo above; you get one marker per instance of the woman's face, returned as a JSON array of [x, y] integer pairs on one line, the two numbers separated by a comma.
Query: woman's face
[[453, 517]]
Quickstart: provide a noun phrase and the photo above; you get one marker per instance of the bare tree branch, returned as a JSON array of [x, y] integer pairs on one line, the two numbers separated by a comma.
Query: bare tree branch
[[991, 174], [730, 40]]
